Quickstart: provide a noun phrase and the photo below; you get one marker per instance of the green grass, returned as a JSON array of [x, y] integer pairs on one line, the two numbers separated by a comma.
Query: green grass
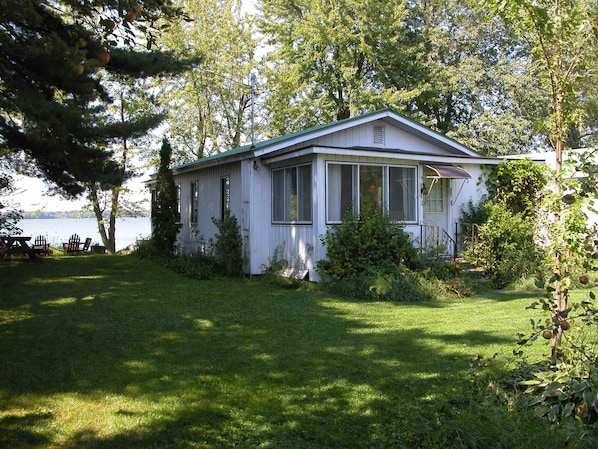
[[116, 352]]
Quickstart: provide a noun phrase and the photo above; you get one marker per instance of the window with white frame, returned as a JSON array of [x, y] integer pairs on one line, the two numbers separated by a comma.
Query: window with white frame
[[292, 194], [194, 202], [402, 194], [383, 187]]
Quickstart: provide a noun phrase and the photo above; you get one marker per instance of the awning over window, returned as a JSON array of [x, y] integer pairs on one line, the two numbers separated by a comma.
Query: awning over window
[[449, 171]]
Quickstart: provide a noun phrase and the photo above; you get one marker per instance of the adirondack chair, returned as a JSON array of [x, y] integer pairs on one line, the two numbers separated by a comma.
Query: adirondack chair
[[86, 245], [73, 245], [40, 246]]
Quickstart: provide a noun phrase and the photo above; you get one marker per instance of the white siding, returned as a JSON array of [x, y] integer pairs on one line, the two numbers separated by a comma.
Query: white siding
[[209, 188], [256, 204], [296, 244], [363, 136]]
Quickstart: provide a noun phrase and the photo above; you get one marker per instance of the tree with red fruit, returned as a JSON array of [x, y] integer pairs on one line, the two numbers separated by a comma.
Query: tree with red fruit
[[563, 38]]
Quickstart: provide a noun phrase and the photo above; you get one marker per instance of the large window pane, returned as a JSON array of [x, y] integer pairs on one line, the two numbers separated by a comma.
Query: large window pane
[[371, 187], [379, 186], [291, 194], [339, 190], [402, 193], [305, 194]]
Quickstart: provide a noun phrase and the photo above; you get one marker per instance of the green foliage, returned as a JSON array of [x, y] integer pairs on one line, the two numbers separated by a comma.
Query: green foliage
[[371, 257], [228, 247], [574, 234], [475, 213], [165, 214], [9, 216], [565, 393], [502, 231], [365, 244], [518, 185], [506, 247]]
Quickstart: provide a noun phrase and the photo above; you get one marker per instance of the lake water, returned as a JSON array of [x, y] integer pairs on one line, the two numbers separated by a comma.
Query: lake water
[[57, 231]]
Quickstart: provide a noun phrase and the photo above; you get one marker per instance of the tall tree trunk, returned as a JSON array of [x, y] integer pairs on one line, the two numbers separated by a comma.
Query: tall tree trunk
[[99, 214], [561, 293]]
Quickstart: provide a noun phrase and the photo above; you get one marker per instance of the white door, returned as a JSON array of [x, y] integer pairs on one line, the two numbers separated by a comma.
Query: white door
[[435, 212]]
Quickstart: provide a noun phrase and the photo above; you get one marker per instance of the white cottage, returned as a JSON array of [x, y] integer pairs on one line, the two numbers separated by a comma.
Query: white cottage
[[287, 191]]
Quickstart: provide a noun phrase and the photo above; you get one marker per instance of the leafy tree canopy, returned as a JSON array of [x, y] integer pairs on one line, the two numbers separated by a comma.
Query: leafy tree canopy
[[449, 65], [322, 66], [215, 95]]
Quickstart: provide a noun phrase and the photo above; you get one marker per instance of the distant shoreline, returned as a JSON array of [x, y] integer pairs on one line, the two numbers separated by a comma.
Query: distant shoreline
[[71, 214]]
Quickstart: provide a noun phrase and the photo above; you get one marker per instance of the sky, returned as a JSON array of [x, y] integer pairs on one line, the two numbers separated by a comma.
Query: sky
[[32, 195]]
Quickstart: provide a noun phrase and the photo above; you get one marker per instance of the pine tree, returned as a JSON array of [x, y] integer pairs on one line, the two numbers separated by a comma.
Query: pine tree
[[165, 214], [52, 96]]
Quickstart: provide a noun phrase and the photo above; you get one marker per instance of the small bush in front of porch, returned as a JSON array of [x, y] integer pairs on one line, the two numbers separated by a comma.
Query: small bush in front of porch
[[368, 243], [371, 257]]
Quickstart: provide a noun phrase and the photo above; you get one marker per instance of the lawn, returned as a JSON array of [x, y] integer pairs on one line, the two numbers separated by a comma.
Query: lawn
[[117, 352]]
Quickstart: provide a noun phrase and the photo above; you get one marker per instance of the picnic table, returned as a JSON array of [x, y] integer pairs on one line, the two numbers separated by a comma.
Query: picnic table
[[17, 245]]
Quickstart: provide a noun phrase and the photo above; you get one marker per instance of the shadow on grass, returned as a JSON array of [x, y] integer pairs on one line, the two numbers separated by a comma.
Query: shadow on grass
[[175, 363], [511, 293], [19, 430]]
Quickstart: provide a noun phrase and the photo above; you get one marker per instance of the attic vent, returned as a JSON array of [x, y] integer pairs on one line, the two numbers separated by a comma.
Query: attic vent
[[378, 135]]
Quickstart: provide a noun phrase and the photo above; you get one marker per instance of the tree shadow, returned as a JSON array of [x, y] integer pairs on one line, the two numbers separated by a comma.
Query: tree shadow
[[241, 365], [21, 428]]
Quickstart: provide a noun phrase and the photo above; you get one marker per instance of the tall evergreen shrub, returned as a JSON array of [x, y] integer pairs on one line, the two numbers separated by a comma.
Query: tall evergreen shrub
[[165, 213], [228, 248]]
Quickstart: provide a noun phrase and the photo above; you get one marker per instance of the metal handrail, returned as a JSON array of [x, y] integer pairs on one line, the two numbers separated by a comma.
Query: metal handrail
[[442, 236]]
